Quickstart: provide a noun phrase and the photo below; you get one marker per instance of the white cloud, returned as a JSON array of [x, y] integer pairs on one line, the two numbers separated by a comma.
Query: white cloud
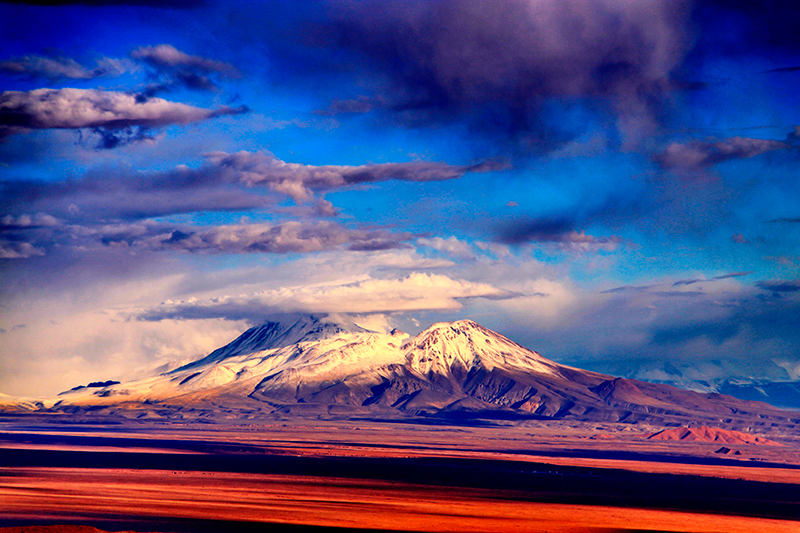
[[451, 246], [414, 292], [94, 108]]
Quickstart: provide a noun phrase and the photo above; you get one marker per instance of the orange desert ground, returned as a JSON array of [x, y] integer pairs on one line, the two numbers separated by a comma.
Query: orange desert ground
[[331, 475]]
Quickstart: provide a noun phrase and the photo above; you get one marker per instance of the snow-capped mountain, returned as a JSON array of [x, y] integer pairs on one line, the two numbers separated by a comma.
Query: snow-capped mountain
[[316, 366]]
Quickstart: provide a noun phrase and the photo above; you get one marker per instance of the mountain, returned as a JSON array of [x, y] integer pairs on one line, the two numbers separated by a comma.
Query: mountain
[[706, 434], [459, 370], [773, 382]]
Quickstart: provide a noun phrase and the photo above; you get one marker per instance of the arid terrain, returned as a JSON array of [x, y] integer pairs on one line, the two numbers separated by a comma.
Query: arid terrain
[[319, 426], [321, 475]]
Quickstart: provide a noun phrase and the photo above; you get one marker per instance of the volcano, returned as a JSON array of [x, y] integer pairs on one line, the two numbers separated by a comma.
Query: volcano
[[321, 367]]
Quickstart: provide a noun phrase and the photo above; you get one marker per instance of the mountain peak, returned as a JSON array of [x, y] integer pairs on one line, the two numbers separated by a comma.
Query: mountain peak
[[286, 331], [462, 345]]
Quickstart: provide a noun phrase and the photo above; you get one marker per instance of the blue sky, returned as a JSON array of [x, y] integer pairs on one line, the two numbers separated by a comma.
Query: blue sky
[[611, 183]]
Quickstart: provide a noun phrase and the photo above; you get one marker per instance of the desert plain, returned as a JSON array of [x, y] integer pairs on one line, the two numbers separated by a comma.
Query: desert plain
[[334, 474]]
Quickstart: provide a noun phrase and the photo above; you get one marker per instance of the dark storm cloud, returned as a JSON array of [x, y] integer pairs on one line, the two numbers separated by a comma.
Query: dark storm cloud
[[96, 109], [695, 155], [559, 231], [498, 64]]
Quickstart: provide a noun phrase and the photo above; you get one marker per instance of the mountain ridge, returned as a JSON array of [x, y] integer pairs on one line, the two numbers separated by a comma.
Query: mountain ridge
[[317, 366]]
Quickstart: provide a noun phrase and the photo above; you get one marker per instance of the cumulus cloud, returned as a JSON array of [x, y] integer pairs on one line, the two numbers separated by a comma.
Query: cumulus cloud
[[558, 231], [105, 111], [415, 292], [696, 155]]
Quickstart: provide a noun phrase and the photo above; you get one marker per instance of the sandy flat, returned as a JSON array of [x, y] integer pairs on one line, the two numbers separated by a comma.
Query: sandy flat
[[392, 477], [47, 493]]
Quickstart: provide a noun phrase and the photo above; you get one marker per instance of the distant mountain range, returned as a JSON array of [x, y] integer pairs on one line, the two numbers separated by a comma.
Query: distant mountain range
[[771, 383], [458, 370]]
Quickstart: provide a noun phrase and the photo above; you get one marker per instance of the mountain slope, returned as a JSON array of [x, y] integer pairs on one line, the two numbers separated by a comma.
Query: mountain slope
[[313, 366]]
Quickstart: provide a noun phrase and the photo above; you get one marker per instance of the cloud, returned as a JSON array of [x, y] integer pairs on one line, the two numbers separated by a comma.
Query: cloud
[[26, 221], [361, 104], [286, 237], [104, 111], [18, 250], [172, 67], [277, 238], [226, 182], [726, 330], [57, 68], [18, 235], [415, 292], [684, 282], [166, 56], [628, 289], [558, 231], [120, 194], [696, 155], [500, 65], [451, 246], [298, 180], [778, 286]]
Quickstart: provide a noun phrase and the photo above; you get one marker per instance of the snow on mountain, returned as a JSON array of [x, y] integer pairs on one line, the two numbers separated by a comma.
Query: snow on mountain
[[311, 365], [306, 328], [445, 348]]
